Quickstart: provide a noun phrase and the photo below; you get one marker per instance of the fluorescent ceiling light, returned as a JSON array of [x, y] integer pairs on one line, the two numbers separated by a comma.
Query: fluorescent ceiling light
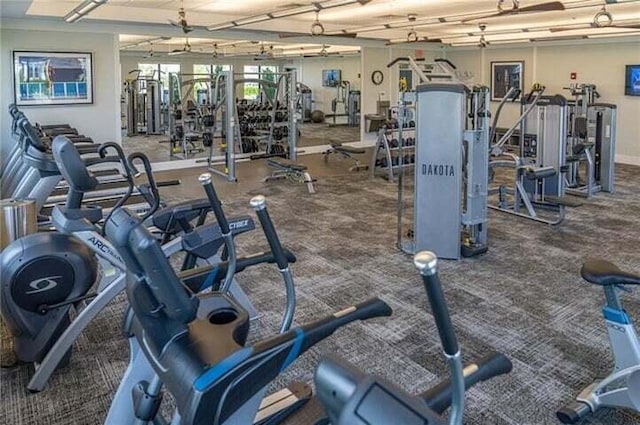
[[337, 3], [82, 10], [616, 34], [219, 27], [251, 20], [372, 28], [293, 12], [235, 43], [148, 40]]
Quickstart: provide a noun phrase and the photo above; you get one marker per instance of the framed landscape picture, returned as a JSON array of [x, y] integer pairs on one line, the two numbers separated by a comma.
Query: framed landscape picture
[[52, 78], [505, 75]]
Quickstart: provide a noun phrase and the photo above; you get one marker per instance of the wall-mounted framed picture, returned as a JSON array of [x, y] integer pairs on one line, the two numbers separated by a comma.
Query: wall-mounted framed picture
[[52, 78], [632, 80], [505, 75]]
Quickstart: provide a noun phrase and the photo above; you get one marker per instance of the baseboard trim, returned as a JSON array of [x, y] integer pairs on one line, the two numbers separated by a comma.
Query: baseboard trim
[[628, 159]]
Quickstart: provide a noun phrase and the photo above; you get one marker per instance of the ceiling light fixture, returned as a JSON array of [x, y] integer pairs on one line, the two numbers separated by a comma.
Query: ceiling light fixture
[[82, 10], [295, 11], [147, 41], [299, 10], [615, 34]]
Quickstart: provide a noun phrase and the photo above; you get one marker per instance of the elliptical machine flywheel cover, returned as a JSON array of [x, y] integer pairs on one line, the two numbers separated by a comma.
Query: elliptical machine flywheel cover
[[46, 269]]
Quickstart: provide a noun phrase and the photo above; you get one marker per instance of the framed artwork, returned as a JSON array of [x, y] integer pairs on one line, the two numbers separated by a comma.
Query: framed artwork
[[632, 80], [505, 75], [52, 78], [405, 80]]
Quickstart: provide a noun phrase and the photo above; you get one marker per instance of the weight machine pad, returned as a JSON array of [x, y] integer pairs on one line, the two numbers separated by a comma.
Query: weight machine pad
[[346, 149], [535, 173]]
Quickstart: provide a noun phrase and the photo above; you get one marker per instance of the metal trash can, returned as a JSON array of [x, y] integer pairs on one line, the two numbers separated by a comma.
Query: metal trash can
[[17, 218]]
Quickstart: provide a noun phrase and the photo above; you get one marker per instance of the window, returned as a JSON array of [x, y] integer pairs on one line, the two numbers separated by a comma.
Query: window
[[205, 71], [252, 90], [152, 70], [148, 69], [165, 70]]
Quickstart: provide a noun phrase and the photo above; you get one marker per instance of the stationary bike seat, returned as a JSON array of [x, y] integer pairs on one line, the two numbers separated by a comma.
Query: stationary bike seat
[[600, 272]]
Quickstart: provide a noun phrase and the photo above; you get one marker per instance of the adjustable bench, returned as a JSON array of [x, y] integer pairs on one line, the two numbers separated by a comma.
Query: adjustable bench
[[346, 152], [287, 169]]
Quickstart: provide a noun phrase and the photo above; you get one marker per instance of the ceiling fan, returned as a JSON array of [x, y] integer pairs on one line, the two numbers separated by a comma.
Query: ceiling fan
[[412, 35], [182, 20], [323, 53], [516, 9], [185, 49], [150, 53], [602, 19], [482, 43], [317, 29]]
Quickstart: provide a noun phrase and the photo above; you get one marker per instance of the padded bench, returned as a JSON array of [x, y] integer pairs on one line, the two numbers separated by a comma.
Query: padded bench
[[346, 152], [536, 173], [287, 169]]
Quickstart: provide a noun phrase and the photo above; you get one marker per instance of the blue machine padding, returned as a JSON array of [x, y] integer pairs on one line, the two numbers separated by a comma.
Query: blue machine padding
[[216, 372], [295, 349], [615, 315]]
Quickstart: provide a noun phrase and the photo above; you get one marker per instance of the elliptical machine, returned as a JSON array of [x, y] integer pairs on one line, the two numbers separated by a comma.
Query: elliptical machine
[[197, 347], [46, 275], [621, 389], [351, 397]]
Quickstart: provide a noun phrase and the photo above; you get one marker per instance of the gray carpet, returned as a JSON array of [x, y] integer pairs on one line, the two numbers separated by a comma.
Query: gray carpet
[[524, 298]]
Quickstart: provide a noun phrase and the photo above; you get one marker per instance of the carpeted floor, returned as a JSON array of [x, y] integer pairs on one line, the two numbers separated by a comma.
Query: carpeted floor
[[524, 298]]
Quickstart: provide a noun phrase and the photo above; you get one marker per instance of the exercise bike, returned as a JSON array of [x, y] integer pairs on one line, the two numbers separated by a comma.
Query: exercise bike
[[46, 275], [195, 346], [621, 389]]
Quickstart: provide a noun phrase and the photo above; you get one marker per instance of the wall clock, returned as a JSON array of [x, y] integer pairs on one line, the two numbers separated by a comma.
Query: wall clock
[[377, 77]]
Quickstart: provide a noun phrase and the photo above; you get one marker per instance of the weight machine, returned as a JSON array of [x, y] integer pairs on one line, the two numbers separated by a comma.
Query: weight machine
[[305, 102], [451, 163], [143, 102], [590, 142], [266, 127], [539, 164], [350, 101], [191, 119]]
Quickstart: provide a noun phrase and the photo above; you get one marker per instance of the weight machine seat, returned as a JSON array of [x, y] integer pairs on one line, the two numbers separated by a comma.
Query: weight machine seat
[[285, 164], [535, 173], [600, 272], [337, 146], [168, 219]]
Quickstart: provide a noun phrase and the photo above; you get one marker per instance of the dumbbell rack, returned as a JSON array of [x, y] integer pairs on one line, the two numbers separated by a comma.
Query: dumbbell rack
[[392, 155], [264, 126]]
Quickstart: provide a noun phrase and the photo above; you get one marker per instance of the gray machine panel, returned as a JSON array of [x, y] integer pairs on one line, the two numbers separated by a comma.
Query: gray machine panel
[[438, 181], [551, 150], [604, 136]]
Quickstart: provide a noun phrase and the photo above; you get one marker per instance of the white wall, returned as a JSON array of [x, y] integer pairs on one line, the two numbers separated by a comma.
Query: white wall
[[600, 64], [377, 59], [310, 70], [100, 120]]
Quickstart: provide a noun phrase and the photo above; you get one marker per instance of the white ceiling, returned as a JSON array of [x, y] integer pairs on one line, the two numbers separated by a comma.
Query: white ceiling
[[136, 43], [352, 18]]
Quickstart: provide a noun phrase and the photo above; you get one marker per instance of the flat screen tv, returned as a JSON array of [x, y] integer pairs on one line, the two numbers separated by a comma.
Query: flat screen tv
[[331, 77], [632, 80]]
